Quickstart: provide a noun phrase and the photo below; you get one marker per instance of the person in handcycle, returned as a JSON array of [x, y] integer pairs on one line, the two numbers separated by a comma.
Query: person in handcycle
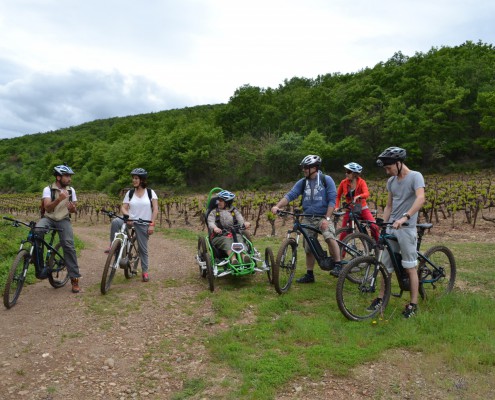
[[225, 224]]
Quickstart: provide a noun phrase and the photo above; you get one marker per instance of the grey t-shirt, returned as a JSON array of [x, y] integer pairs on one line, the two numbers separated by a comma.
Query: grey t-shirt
[[404, 194]]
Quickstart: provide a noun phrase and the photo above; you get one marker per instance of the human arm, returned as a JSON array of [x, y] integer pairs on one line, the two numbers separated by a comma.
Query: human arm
[[212, 223], [154, 216], [362, 192]]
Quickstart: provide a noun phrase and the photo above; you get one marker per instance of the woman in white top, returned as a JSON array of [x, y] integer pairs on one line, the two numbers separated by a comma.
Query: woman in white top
[[139, 202]]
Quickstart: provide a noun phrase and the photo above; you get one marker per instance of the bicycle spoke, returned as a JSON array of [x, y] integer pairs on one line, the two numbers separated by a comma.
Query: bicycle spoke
[[437, 276]]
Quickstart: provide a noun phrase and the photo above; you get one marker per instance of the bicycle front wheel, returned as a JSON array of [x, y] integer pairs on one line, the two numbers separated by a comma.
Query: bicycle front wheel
[[285, 265], [356, 296], [58, 275], [16, 278], [110, 267], [436, 276], [355, 245]]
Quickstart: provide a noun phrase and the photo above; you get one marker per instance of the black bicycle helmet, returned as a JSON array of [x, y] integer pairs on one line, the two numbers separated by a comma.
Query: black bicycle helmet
[[141, 172], [60, 170], [311, 160], [390, 156]]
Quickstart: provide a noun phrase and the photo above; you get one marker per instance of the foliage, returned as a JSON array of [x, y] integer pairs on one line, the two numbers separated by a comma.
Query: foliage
[[439, 105]]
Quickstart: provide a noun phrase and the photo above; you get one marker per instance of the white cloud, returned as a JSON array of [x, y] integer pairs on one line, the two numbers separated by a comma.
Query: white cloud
[[70, 62]]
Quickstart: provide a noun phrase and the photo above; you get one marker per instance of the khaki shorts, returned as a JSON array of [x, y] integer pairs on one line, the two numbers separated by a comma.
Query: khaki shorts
[[316, 222]]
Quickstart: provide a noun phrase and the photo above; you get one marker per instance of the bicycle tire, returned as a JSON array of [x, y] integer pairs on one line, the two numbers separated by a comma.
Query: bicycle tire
[[346, 229], [285, 266], [434, 283], [16, 278], [269, 262], [130, 270], [60, 276], [209, 273], [202, 254], [109, 269], [354, 298], [359, 245]]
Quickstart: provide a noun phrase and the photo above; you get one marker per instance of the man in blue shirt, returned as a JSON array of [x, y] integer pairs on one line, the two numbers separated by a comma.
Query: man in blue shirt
[[318, 197]]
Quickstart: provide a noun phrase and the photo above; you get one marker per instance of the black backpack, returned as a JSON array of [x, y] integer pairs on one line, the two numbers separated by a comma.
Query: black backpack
[[52, 190], [131, 193]]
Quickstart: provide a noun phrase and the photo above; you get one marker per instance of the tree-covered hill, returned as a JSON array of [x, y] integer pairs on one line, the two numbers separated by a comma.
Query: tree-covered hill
[[439, 105]]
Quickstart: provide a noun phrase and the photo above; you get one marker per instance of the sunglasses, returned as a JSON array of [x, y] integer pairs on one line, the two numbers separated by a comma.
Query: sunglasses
[[348, 172], [308, 167]]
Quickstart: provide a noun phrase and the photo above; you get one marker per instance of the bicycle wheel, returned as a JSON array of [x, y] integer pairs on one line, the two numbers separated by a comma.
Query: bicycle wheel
[[285, 265], [110, 267], [58, 275], [436, 277], [355, 245], [269, 262], [346, 229], [202, 255], [355, 298], [130, 270], [209, 273], [16, 278]]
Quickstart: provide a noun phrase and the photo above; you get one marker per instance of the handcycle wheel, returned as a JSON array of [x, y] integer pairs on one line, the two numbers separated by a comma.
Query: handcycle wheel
[[58, 275], [16, 278], [202, 255], [130, 270], [355, 298], [437, 279], [269, 263], [285, 265], [209, 273], [110, 267], [355, 245]]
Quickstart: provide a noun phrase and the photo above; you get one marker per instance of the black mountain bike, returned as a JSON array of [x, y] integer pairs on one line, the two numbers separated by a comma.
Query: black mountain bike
[[46, 256], [360, 281], [355, 224], [284, 268]]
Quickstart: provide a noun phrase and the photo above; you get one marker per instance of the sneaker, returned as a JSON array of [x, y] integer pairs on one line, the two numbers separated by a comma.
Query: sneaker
[[75, 285], [375, 304], [410, 310], [234, 261], [306, 279], [146, 277], [246, 259], [336, 270]]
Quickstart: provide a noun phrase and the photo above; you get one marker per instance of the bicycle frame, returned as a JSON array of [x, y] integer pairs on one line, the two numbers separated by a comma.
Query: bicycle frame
[[122, 236]]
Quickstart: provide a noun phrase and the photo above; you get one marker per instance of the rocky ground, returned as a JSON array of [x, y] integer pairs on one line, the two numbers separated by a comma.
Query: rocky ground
[[133, 343]]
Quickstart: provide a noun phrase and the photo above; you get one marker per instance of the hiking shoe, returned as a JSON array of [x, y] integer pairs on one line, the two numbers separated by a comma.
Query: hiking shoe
[[375, 304], [336, 270], [410, 310], [146, 277], [75, 285], [246, 259], [306, 279], [234, 261]]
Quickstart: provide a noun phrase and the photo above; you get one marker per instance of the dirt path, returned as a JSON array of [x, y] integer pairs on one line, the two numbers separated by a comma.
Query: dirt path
[[56, 344]]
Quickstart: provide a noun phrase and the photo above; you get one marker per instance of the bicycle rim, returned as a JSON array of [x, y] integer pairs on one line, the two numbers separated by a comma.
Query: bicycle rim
[[355, 296], [436, 279], [110, 267], [285, 266], [15, 280], [58, 275]]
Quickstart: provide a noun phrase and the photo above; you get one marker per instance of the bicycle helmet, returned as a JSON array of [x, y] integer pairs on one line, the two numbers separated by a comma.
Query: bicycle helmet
[[311, 161], [60, 170], [226, 196], [390, 156], [141, 172], [354, 167]]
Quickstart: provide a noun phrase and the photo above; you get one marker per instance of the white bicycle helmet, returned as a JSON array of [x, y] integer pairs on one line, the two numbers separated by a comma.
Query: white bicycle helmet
[[311, 160], [390, 156], [141, 172], [354, 167], [226, 196], [60, 170]]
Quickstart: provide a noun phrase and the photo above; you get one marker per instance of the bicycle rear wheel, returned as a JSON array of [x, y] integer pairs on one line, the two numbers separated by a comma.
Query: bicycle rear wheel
[[58, 275], [355, 299], [130, 270], [209, 273], [110, 267], [355, 245], [285, 265], [15, 280], [436, 277]]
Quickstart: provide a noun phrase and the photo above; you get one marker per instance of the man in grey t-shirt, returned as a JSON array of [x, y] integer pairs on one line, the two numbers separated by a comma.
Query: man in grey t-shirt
[[406, 196]]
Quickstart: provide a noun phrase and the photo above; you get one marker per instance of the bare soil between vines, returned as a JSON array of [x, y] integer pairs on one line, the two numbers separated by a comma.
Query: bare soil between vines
[[135, 343]]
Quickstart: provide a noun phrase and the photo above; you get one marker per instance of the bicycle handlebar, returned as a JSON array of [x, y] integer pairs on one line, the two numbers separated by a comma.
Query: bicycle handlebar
[[111, 214], [30, 225], [297, 215]]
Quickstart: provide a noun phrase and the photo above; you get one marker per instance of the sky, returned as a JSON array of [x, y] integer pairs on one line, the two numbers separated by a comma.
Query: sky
[[66, 62]]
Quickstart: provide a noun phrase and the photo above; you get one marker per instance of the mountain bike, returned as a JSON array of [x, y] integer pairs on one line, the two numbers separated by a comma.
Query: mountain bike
[[123, 252], [284, 268], [46, 256], [355, 224], [356, 297]]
